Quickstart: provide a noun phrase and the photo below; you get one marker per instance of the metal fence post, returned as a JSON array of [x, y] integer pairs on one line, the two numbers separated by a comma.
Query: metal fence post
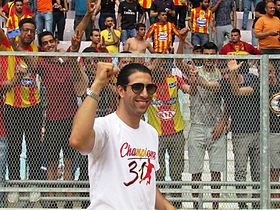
[[264, 132]]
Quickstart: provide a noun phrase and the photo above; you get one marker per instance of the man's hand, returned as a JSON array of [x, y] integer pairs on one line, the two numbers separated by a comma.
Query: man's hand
[[273, 33], [112, 27], [213, 29], [90, 7], [183, 33], [101, 45], [218, 130], [104, 73], [76, 41], [192, 79], [233, 66], [21, 69], [169, 49]]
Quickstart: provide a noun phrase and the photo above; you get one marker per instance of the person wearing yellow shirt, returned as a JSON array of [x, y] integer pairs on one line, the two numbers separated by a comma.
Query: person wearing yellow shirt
[[111, 36]]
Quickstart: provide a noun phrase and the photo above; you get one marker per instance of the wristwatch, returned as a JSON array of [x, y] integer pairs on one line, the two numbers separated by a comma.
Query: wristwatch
[[93, 95]]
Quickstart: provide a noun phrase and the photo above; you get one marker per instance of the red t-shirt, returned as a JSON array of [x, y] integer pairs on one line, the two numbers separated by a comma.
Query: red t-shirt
[[61, 97]]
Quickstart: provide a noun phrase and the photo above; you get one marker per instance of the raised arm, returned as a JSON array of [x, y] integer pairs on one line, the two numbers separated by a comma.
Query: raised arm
[[97, 7], [83, 136], [79, 77], [84, 23], [233, 78], [180, 50]]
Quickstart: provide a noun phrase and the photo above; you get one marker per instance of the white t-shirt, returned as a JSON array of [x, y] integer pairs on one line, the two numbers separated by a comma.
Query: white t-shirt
[[122, 165]]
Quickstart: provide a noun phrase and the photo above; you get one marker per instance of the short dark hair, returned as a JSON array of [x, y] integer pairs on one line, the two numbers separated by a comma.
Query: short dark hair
[[18, 0], [139, 25], [210, 46], [125, 51], [128, 70], [161, 11], [94, 29], [90, 49], [26, 20], [109, 16], [235, 30], [197, 47], [44, 33]]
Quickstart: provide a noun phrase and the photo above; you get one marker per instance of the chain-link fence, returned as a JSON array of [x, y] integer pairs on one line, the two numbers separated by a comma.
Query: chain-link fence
[[217, 118]]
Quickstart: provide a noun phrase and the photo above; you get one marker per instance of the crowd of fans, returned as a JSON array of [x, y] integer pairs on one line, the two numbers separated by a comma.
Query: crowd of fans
[[218, 91]]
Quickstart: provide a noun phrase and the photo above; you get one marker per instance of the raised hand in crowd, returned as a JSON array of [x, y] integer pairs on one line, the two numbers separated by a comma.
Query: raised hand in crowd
[[101, 46], [85, 21], [193, 74], [233, 66], [76, 41], [91, 7], [183, 35], [104, 73], [236, 78]]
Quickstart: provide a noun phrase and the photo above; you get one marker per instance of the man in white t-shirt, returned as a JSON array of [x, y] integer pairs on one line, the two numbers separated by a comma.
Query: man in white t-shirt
[[122, 149]]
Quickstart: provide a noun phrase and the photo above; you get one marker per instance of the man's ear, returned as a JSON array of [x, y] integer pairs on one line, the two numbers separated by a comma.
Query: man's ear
[[121, 91]]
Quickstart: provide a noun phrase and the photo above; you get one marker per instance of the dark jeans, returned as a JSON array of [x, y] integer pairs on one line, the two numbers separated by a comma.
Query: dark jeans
[[89, 27], [102, 19], [59, 23], [182, 12], [27, 121], [270, 51]]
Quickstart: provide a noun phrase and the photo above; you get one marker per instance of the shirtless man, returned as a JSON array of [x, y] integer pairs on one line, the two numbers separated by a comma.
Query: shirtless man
[[138, 44]]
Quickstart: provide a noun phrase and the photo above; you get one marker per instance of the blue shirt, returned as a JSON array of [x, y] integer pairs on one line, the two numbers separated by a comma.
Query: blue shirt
[[80, 7], [223, 13]]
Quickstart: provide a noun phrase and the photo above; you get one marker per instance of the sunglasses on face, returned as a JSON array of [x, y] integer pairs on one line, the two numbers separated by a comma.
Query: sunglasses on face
[[137, 88]]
